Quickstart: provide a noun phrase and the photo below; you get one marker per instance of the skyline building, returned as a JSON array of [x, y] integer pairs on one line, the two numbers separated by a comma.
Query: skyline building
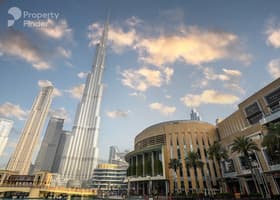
[[195, 115], [46, 155], [5, 129], [80, 157], [21, 158], [117, 157]]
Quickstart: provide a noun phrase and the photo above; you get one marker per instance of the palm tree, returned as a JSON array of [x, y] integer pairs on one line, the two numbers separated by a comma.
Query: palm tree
[[272, 141], [174, 164], [245, 146], [193, 161], [217, 152]]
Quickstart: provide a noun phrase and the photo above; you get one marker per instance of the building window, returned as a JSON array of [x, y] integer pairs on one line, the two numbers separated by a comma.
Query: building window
[[253, 113], [244, 162], [228, 166], [271, 160], [273, 100]]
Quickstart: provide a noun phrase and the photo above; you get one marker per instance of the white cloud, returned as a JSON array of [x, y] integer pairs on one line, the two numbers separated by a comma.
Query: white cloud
[[14, 43], [133, 21], [56, 29], [137, 94], [11, 110], [82, 74], [64, 52], [45, 83], [144, 78], [117, 36], [210, 75], [168, 74], [168, 96], [273, 33], [117, 114], [232, 72], [208, 97], [228, 74], [77, 91], [163, 109], [274, 68], [235, 87], [192, 45], [60, 113]]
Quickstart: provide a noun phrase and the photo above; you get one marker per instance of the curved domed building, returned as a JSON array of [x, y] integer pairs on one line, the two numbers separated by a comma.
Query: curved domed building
[[149, 170]]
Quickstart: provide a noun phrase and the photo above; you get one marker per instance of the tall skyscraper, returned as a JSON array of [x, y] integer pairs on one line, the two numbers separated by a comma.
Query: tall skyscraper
[[63, 142], [49, 145], [195, 115], [21, 158], [117, 157], [80, 158], [5, 129]]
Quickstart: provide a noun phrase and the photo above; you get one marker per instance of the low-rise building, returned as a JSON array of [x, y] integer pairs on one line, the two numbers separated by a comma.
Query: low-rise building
[[154, 147], [108, 179], [250, 120]]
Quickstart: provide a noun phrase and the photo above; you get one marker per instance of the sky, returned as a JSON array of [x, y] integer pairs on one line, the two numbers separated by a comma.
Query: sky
[[163, 59]]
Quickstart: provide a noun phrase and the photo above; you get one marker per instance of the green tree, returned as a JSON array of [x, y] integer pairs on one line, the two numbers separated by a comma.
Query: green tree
[[245, 146], [272, 141], [217, 152], [174, 164], [193, 161]]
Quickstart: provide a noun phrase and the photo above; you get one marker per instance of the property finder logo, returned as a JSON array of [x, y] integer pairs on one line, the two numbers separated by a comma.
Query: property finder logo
[[16, 13], [31, 19]]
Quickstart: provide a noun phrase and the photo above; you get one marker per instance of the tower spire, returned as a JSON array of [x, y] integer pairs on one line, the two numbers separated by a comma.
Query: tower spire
[[81, 155]]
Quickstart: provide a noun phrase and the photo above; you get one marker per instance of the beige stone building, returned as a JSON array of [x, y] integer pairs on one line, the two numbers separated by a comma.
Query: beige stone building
[[250, 120], [148, 170], [154, 147]]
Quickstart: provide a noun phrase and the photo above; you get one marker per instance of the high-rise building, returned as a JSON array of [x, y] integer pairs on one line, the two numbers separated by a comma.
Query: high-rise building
[[49, 145], [81, 155], [113, 153], [195, 115], [63, 142], [117, 157], [5, 128], [21, 158]]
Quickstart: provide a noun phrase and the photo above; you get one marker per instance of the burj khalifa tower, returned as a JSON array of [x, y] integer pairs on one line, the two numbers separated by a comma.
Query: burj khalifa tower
[[81, 153]]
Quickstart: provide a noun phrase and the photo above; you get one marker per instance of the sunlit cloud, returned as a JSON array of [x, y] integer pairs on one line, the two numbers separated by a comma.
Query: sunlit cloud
[[208, 97], [163, 109], [144, 78], [232, 72], [117, 114], [46, 83], [76, 91], [16, 44], [190, 44], [56, 29], [117, 36], [210, 75], [11, 110], [194, 46], [273, 33], [274, 68]]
